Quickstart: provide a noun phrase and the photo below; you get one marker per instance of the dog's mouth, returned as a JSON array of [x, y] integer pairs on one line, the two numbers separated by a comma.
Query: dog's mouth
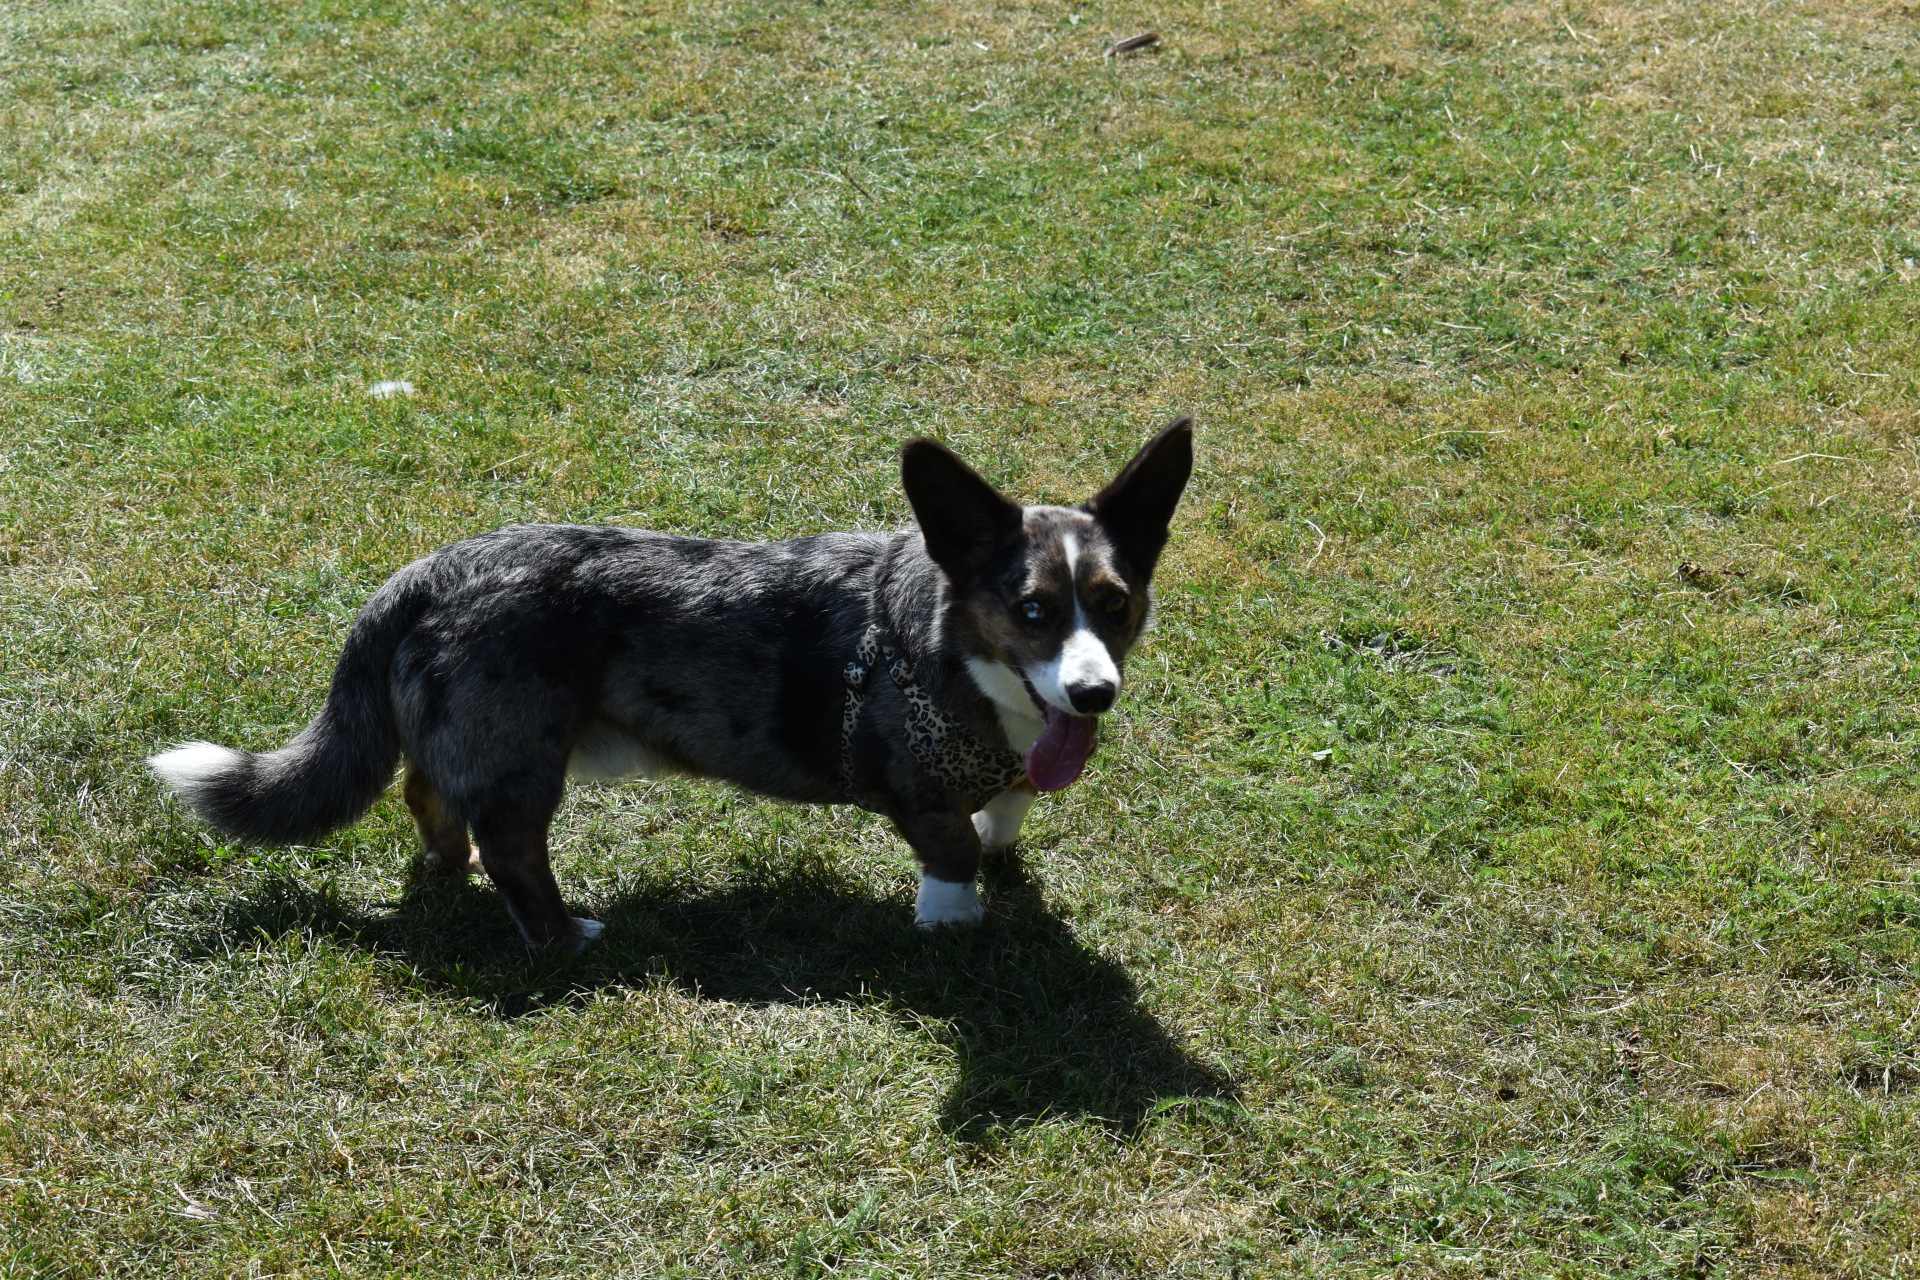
[[1059, 755]]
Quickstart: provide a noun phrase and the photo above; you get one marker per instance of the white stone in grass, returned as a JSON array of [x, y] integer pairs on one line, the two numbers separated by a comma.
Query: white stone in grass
[[389, 388]]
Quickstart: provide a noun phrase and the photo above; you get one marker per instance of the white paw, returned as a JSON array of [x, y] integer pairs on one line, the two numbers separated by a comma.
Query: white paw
[[992, 837], [943, 902], [434, 860], [998, 824], [589, 932]]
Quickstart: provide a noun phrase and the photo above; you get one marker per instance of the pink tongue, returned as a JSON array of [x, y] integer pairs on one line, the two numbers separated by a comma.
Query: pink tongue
[[1056, 759]]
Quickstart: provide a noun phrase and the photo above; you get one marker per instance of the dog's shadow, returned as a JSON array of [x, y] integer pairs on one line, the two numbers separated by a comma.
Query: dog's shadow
[[1042, 1026]]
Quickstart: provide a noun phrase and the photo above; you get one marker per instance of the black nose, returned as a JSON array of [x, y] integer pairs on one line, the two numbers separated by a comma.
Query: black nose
[[1091, 699]]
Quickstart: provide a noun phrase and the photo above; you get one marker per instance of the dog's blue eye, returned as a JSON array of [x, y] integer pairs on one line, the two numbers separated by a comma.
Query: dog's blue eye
[[1031, 610]]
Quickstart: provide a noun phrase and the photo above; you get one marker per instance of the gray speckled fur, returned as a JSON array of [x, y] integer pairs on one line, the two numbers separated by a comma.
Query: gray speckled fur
[[501, 664], [545, 646]]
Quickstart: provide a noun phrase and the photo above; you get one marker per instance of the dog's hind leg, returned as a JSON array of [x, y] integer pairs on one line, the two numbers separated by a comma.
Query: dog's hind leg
[[514, 854], [443, 837]]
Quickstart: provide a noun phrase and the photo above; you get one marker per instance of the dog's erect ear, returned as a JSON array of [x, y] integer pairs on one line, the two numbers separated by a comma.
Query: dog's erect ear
[[1137, 507], [963, 518]]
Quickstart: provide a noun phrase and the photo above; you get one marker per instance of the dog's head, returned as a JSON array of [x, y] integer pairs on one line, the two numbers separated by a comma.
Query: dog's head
[[1050, 600]]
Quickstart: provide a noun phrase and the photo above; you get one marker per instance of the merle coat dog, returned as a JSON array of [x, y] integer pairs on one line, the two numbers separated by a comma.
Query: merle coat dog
[[941, 676]]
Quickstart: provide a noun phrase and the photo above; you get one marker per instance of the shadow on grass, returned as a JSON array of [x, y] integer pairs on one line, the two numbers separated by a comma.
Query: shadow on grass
[[1042, 1026]]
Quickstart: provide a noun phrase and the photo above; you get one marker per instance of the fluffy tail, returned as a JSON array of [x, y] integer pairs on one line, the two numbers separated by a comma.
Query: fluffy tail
[[332, 770]]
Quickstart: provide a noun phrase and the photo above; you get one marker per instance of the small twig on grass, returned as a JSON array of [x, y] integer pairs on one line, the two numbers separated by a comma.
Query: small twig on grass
[[1802, 457], [1144, 40], [1451, 432], [859, 186], [1578, 35], [246, 1189], [1318, 549], [195, 1209]]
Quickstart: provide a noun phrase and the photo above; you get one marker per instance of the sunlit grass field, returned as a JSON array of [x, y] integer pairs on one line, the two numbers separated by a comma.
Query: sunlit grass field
[[1503, 862]]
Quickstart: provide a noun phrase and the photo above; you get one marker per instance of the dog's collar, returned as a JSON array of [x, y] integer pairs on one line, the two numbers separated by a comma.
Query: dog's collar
[[945, 748]]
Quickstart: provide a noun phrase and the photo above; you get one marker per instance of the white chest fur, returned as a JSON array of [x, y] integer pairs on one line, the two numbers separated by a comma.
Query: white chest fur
[[1019, 719]]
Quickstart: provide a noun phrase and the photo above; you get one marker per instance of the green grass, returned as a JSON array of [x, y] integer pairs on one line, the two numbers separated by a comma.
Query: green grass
[[1503, 862]]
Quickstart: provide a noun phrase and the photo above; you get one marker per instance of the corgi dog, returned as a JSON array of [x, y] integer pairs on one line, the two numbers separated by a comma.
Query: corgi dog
[[942, 676]]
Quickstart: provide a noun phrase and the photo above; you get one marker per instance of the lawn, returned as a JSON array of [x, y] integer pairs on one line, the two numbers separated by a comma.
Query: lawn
[[1504, 860]]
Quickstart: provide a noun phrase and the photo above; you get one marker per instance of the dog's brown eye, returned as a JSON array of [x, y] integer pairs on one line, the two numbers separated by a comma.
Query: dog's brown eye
[[1031, 610], [1116, 602]]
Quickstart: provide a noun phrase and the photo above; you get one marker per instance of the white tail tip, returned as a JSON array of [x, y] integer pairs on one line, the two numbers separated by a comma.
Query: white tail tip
[[189, 767]]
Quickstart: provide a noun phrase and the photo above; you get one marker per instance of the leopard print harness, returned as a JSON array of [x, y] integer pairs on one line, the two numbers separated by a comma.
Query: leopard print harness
[[945, 748]]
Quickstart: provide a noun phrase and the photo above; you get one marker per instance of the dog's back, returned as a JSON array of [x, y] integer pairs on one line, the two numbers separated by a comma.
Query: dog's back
[[554, 648]]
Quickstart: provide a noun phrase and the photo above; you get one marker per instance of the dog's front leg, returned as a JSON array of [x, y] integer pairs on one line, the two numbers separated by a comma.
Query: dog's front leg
[[998, 821], [949, 852]]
